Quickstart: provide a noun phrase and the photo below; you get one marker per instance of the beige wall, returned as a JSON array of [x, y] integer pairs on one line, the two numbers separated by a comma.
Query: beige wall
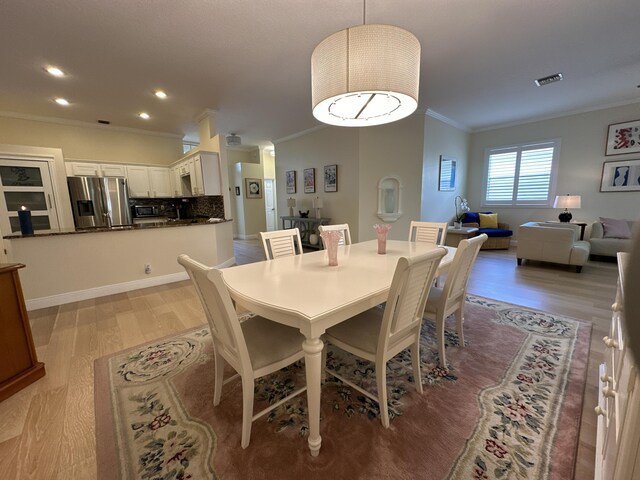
[[581, 159], [395, 149], [253, 208], [442, 139], [315, 149], [99, 143]]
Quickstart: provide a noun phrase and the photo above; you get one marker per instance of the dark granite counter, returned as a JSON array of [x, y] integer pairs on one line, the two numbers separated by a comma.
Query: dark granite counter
[[139, 226]]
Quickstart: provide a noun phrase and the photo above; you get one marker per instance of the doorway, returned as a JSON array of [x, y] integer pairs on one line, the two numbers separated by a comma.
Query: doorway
[[270, 204]]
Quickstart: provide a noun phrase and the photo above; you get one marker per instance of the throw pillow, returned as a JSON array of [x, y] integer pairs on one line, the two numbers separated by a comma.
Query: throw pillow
[[488, 220], [615, 228]]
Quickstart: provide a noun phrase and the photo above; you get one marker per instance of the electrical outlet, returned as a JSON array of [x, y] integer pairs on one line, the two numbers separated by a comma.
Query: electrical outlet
[[147, 268]]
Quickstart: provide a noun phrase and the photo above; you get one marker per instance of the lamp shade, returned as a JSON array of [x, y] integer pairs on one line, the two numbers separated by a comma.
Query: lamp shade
[[567, 201], [318, 203], [291, 202], [365, 75]]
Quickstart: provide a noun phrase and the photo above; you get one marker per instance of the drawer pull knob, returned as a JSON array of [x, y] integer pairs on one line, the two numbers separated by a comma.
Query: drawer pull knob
[[608, 392], [605, 377], [610, 342], [600, 411]]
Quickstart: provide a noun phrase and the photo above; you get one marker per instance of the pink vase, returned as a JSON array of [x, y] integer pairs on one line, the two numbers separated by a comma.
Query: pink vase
[[382, 230], [331, 240]]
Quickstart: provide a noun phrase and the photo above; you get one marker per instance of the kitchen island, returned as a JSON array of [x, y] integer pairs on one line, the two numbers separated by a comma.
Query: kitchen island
[[70, 265]]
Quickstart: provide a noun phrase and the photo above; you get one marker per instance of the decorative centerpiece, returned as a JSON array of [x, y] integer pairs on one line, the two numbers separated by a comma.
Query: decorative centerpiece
[[303, 214], [382, 230], [461, 209], [331, 239]]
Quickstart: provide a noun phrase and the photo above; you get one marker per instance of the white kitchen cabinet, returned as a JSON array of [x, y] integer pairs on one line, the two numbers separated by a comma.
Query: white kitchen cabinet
[[82, 169], [113, 170], [159, 182], [92, 169], [176, 184], [138, 180]]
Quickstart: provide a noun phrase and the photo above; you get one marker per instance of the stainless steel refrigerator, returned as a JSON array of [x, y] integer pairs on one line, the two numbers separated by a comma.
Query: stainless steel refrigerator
[[99, 201]]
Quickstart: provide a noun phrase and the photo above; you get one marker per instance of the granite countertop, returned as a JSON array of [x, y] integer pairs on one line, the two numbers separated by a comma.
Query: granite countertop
[[138, 226]]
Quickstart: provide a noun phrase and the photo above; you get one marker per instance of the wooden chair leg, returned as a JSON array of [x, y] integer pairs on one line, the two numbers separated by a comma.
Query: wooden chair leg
[[381, 379], [415, 360], [219, 377], [247, 410], [440, 333], [460, 326]]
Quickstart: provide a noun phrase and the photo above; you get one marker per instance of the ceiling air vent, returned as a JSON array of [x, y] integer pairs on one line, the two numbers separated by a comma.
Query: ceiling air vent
[[550, 79], [233, 140]]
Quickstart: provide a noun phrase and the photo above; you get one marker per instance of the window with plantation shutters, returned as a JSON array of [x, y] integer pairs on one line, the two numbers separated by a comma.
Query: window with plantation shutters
[[521, 175]]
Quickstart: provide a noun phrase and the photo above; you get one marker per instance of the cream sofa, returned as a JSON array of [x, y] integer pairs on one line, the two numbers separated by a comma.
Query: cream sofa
[[552, 242], [608, 247]]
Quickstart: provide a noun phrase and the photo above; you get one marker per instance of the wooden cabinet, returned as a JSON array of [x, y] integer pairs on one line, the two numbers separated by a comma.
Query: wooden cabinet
[[19, 365], [113, 170], [138, 180], [199, 174], [89, 169], [159, 182], [618, 409]]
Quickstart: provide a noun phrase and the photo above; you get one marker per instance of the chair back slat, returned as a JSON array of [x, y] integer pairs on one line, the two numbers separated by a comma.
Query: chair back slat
[[428, 232], [281, 243], [220, 312], [408, 296], [455, 285], [342, 228]]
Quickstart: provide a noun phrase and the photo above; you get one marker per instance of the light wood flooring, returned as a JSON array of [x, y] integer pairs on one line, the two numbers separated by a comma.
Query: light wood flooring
[[47, 430]]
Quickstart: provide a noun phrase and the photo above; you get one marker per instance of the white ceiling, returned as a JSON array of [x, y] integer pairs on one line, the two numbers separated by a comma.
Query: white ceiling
[[250, 59]]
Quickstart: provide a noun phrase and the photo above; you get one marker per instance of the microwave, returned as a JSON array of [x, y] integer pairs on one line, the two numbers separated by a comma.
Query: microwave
[[146, 211]]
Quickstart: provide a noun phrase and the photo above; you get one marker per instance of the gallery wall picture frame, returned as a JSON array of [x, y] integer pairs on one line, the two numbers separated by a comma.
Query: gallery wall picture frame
[[623, 138], [620, 176], [447, 175], [331, 178], [253, 187], [291, 181], [309, 176]]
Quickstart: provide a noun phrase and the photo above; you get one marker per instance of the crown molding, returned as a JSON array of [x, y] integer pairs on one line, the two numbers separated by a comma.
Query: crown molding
[[78, 123], [447, 120], [207, 112], [300, 134]]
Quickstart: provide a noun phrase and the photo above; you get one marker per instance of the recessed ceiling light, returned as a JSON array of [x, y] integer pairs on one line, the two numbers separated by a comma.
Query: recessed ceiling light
[[62, 101], [160, 94], [55, 71], [144, 115]]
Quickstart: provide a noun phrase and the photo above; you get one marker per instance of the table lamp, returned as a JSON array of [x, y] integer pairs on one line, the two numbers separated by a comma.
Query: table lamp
[[566, 202], [318, 204], [291, 203]]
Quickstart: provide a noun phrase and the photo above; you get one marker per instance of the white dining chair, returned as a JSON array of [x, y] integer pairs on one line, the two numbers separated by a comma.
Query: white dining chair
[[428, 232], [450, 299], [281, 243], [379, 334], [342, 228], [253, 348]]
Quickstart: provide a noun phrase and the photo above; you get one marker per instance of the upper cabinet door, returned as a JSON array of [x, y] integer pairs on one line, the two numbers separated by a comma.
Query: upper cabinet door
[[80, 169], [138, 180], [159, 182], [26, 183], [113, 170], [207, 174]]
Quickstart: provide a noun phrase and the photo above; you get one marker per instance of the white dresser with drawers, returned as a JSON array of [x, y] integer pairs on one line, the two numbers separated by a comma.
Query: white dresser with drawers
[[618, 409]]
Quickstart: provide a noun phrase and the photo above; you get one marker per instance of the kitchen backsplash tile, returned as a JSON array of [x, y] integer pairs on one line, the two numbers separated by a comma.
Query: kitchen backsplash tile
[[190, 207]]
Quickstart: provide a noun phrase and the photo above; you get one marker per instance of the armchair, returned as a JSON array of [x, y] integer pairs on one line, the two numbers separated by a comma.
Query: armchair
[[499, 238], [552, 242]]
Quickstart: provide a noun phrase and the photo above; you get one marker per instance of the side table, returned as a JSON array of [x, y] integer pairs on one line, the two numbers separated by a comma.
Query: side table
[[455, 235], [307, 227], [581, 224]]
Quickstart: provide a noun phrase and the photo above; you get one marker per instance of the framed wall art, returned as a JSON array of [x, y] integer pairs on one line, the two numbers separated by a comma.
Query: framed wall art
[[620, 176], [623, 138], [309, 175], [447, 177], [291, 181], [331, 178], [253, 187]]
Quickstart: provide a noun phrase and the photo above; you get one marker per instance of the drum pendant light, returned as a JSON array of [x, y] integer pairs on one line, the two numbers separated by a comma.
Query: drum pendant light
[[365, 75]]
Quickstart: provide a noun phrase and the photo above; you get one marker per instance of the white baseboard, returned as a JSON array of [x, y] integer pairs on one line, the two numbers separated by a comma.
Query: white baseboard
[[61, 299]]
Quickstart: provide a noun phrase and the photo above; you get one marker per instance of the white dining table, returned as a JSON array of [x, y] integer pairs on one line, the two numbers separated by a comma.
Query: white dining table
[[302, 291]]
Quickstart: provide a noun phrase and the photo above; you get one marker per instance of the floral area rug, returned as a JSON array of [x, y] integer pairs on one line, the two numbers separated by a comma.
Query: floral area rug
[[508, 407]]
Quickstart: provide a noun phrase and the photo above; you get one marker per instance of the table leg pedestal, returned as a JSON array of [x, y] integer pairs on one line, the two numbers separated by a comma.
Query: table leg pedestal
[[313, 366]]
